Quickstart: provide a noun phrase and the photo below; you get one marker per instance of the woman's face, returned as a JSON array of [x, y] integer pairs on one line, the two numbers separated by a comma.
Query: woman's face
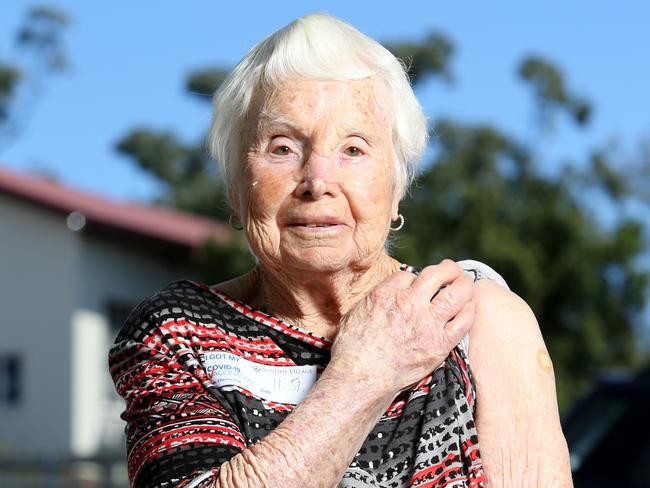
[[316, 190]]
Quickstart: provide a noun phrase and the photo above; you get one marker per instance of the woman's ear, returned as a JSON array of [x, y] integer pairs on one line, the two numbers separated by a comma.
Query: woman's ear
[[394, 212], [237, 190], [234, 203]]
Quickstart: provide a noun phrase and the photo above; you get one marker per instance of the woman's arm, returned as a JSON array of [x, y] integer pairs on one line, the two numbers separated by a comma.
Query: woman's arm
[[179, 434], [522, 444], [390, 340], [315, 444]]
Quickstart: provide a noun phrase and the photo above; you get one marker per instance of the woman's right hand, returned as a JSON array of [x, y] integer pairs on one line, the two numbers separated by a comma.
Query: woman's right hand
[[392, 338], [397, 334]]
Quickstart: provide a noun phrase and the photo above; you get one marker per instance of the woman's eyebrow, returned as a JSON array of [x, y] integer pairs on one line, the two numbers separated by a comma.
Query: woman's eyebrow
[[356, 131], [270, 121]]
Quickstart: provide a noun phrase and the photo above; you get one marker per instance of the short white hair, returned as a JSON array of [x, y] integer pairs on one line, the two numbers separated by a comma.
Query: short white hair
[[321, 47]]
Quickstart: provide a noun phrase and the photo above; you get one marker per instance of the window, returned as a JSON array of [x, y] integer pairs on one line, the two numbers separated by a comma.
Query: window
[[117, 311], [10, 379]]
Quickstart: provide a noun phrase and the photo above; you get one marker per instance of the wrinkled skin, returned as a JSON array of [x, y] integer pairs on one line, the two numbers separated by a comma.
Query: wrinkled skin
[[319, 152], [316, 149]]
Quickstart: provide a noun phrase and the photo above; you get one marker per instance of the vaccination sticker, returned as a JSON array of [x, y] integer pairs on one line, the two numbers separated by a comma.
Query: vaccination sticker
[[281, 384]]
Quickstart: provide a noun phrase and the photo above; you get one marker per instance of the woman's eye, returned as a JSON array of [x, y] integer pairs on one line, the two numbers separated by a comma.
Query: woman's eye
[[353, 151], [281, 150]]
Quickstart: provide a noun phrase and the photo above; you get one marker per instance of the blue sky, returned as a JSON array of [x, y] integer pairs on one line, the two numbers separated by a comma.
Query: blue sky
[[130, 61]]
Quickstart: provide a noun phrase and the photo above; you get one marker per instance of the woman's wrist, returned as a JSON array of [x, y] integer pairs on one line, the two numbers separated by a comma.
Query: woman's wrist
[[377, 387], [315, 444]]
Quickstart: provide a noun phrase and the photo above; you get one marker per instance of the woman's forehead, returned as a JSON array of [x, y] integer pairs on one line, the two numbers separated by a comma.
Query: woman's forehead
[[351, 103]]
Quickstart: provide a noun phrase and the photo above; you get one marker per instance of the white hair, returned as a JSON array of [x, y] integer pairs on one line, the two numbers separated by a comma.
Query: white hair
[[321, 47]]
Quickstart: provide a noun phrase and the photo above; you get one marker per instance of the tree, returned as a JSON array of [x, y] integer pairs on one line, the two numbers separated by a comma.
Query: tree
[[41, 53], [190, 177], [551, 94], [483, 197]]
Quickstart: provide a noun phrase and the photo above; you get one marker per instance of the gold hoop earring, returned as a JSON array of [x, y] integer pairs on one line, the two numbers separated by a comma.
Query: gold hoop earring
[[234, 222], [400, 217]]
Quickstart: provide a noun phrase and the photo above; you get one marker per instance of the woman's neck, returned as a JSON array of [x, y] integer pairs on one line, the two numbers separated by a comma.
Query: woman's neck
[[313, 301]]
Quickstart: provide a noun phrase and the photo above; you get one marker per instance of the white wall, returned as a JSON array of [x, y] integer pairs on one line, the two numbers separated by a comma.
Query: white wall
[[108, 272], [55, 285], [38, 287]]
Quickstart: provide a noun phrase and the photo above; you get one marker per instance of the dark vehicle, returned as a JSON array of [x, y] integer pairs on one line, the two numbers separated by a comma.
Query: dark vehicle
[[608, 433]]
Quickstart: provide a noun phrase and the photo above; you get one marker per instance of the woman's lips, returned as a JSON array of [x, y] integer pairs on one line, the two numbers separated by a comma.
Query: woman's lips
[[314, 222], [315, 225]]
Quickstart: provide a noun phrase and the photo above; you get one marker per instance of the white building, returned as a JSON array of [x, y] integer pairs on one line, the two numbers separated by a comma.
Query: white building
[[72, 265]]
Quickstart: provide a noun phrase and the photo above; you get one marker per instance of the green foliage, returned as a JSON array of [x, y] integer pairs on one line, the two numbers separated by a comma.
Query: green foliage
[[40, 41], [9, 78], [613, 183], [41, 34], [219, 262], [190, 177], [551, 93], [428, 57], [621, 176], [204, 83], [481, 197]]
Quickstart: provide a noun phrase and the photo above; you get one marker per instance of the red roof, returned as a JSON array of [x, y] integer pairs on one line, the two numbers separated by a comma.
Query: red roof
[[159, 223]]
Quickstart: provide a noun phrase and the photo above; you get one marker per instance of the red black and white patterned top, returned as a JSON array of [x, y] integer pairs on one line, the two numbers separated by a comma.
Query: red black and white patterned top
[[204, 376]]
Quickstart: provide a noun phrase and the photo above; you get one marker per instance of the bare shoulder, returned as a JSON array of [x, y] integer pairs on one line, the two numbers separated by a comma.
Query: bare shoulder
[[506, 322], [507, 351], [517, 416]]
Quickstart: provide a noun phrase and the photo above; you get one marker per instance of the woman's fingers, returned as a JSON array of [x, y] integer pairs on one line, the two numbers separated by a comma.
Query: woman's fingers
[[434, 277], [406, 333], [399, 279], [442, 287], [461, 324], [452, 298]]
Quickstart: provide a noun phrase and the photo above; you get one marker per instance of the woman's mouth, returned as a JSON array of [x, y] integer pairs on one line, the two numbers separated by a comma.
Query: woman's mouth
[[315, 225], [314, 222]]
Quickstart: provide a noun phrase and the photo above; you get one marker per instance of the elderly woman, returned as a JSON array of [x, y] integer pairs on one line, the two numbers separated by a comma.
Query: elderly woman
[[331, 363]]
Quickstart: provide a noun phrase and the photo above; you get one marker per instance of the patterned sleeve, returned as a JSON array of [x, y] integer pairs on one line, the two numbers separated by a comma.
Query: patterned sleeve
[[479, 270], [177, 432]]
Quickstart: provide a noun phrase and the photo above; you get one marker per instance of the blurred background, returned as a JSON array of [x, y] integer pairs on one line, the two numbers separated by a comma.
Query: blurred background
[[538, 164]]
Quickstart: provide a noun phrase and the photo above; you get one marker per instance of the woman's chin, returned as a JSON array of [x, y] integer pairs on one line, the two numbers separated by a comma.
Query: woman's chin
[[321, 259]]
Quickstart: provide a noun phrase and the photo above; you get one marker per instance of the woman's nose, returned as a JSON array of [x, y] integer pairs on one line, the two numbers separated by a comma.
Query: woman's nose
[[318, 178]]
